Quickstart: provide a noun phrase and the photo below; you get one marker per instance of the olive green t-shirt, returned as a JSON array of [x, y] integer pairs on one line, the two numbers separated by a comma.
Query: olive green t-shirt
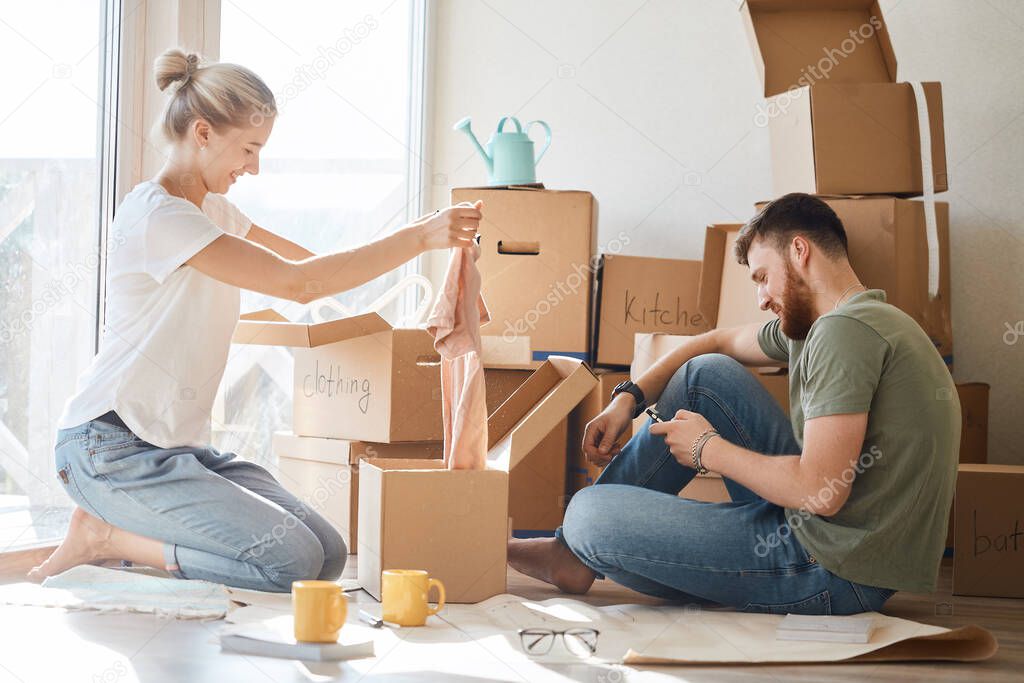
[[869, 356]]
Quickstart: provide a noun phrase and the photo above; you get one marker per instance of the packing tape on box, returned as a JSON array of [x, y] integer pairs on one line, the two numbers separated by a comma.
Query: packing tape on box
[[928, 185]]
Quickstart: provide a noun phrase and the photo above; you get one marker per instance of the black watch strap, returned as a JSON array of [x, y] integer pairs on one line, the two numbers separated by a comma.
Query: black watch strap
[[632, 389]]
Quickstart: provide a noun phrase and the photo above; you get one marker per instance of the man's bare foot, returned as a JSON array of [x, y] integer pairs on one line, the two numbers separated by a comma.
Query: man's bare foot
[[550, 561], [87, 541]]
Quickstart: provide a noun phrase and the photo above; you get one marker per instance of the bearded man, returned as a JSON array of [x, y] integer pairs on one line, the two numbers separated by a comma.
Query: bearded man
[[833, 509]]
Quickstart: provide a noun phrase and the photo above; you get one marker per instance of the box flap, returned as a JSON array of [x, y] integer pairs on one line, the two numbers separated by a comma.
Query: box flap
[[265, 314], [710, 288], [796, 43], [289, 445], [728, 297], [273, 330], [979, 468], [535, 408]]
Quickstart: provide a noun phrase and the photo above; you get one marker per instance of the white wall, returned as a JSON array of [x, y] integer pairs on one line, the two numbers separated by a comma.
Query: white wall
[[652, 106]]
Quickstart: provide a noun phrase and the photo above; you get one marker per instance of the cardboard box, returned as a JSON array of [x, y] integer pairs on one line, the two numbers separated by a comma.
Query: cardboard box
[[709, 488], [638, 294], [839, 122], [356, 378], [536, 487], [454, 523], [581, 473], [324, 473], [973, 431], [536, 265], [727, 295], [650, 347], [888, 249], [989, 533]]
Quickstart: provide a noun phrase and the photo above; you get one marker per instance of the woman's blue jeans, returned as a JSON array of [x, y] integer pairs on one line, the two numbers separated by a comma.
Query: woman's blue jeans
[[220, 518], [631, 526]]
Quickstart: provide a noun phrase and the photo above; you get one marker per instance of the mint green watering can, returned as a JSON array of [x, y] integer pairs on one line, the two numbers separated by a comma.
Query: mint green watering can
[[509, 156]]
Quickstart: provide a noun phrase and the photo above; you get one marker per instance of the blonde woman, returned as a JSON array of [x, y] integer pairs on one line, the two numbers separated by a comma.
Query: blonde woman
[[132, 449]]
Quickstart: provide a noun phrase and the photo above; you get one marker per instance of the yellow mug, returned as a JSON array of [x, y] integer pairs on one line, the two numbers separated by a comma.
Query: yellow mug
[[320, 609], [403, 596]]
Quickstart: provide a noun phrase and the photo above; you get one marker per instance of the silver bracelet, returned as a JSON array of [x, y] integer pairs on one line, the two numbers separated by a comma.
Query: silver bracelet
[[698, 447]]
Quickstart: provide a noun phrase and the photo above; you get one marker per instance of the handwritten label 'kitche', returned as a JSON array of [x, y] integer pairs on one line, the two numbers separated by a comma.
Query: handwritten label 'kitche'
[[637, 312], [331, 383]]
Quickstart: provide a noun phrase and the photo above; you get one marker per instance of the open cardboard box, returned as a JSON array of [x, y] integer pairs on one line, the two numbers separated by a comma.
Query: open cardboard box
[[536, 487], [839, 122], [356, 378], [581, 472], [640, 294], [536, 247], [324, 473], [454, 523]]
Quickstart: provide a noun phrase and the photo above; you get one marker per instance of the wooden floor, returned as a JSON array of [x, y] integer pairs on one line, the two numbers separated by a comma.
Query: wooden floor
[[126, 648]]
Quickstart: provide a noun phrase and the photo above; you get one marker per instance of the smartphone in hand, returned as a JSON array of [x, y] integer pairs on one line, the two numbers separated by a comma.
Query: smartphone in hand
[[655, 415]]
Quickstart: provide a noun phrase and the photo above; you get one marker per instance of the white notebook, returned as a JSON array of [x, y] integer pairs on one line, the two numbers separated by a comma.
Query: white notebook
[[832, 629], [274, 638]]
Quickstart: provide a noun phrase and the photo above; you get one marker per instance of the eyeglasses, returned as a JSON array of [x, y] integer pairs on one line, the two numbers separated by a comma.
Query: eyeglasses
[[581, 642]]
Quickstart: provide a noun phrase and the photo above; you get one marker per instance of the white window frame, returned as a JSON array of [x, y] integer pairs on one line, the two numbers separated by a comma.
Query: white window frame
[[14, 556]]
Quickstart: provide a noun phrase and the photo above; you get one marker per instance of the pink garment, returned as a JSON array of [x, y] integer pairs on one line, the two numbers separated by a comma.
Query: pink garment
[[455, 323]]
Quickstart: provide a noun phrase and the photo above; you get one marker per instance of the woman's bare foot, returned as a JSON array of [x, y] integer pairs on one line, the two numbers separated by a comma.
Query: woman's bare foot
[[550, 561], [87, 541]]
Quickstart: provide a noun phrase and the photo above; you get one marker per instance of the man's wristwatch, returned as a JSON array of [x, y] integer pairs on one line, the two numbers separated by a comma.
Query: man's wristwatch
[[632, 389]]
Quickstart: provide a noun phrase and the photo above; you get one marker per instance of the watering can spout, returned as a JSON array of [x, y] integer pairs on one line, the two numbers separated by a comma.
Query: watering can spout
[[464, 126]]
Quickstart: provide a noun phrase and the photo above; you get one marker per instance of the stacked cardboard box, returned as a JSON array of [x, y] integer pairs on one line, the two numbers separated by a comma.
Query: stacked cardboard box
[[838, 120], [536, 264], [635, 294], [361, 389], [842, 127]]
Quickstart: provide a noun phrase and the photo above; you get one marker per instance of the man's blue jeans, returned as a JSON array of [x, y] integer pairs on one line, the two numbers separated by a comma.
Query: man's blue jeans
[[633, 528]]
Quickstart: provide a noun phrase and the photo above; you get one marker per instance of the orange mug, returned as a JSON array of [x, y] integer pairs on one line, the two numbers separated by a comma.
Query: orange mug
[[320, 609], [403, 596]]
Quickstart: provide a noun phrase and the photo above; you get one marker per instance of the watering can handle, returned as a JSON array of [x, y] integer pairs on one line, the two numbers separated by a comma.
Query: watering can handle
[[501, 124], [547, 138]]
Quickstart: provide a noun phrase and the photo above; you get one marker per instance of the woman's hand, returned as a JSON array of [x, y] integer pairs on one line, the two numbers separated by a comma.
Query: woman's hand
[[680, 433], [455, 226]]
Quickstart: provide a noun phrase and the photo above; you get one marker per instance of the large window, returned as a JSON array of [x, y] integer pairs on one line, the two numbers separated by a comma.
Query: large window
[[55, 54], [339, 168]]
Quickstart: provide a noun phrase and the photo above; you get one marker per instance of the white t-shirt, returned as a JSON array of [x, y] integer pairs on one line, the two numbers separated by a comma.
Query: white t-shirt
[[168, 326]]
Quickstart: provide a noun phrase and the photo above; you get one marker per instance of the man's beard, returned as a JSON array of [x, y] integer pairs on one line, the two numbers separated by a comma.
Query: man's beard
[[797, 312]]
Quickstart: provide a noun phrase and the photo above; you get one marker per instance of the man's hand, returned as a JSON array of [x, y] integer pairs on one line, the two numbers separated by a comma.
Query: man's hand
[[680, 433], [603, 431]]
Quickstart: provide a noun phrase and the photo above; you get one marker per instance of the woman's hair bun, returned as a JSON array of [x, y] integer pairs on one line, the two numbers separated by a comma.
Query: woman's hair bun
[[174, 66]]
